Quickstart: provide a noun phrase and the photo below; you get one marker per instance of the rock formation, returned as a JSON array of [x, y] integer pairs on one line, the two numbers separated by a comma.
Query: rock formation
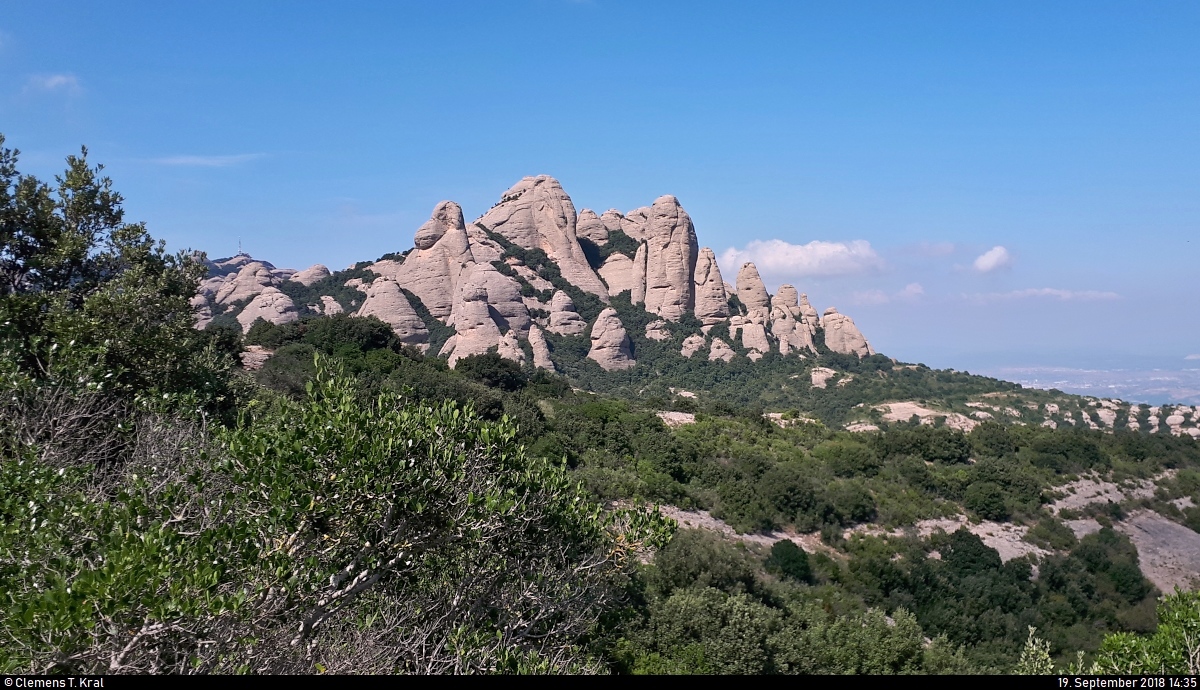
[[691, 345], [251, 280], [612, 221], [564, 320], [617, 271], [431, 270], [452, 271], [610, 344], [330, 306], [541, 350], [841, 335], [387, 303], [537, 213], [270, 305], [671, 254], [590, 227], [510, 349], [750, 289], [475, 330], [720, 350], [711, 300], [658, 330], [311, 274]]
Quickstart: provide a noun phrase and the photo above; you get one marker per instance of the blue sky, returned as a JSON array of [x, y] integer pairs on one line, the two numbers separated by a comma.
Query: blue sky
[[907, 140]]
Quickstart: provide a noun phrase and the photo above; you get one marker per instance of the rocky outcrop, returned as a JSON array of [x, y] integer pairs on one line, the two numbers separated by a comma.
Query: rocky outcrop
[[311, 275], [251, 280], [387, 303], [750, 289], [711, 300], [809, 314], [841, 335], [617, 271], [270, 305], [537, 213], [509, 348], [753, 333], [691, 345], [720, 350], [330, 306], [541, 350], [658, 330], [610, 344], [475, 330], [590, 227], [452, 271], [612, 220], [638, 293], [432, 269], [671, 253], [564, 320]]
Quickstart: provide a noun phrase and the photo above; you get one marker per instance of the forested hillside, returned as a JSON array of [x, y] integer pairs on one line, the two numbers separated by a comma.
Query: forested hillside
[[355, 505]]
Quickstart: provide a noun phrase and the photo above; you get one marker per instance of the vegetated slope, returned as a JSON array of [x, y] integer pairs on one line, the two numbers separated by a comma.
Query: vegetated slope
[[356, 504]]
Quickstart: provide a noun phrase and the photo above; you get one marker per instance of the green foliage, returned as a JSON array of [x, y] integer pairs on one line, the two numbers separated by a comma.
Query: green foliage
[[1035, 657], [987, 500], [789, 560], [89, 300], [493, 371], [1173, 650], [275, 537]]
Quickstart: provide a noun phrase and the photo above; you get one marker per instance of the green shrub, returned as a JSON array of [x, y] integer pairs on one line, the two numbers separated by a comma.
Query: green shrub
[[789, 560]]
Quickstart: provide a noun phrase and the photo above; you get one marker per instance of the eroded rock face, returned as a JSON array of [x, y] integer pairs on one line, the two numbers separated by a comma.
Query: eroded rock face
[[720, 350], [509, 348], [612, 220], [431, 271], [750, 289], [330, 306], [252, 279], [537, 213], [311, 274], [786, 297], [589, 226], [711, 301], [387, 303], [541, 350], [658, 330], [475, 330], [636, 222], [564, 320], [271, 305], [754, 337], [691, 345], [809, 312], [671, 253], [841, 335], [504, 296], [610, 343], [618, 272], [638, 293]]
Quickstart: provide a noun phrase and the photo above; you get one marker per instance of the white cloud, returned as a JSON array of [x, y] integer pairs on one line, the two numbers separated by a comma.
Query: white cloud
[[1191, 357], [817, 258], [992, 259], [208, 161], [875, 297], [1054, 293], [57, 83]]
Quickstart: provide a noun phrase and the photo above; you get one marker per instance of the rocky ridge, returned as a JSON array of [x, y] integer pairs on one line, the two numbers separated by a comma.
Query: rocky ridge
[[502, 284]]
